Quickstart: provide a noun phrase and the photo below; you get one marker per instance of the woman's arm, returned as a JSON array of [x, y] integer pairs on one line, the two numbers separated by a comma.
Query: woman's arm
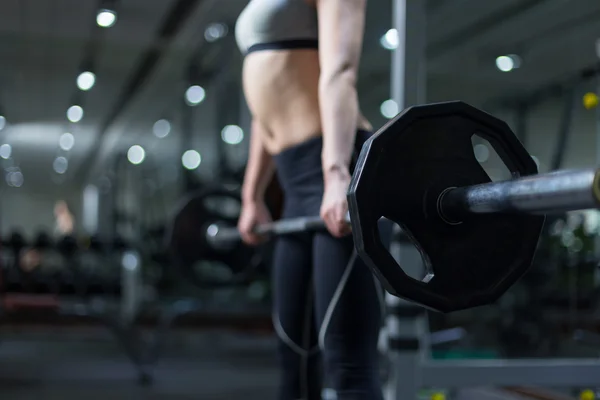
[[341, 28], [259, 169]]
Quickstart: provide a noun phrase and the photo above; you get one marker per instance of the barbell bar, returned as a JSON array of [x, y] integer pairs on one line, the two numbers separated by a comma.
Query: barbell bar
[[554, 192], [477, 237], [559, 191], [224, 237]]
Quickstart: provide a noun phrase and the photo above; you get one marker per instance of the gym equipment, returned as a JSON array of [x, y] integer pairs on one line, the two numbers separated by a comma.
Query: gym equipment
[[36, 262], [477, 237], [99, 262], [412, 368], [93, 267], [224, 238], [106, 274], [15, 243], [118, 314], [202, 264], [68, 248]]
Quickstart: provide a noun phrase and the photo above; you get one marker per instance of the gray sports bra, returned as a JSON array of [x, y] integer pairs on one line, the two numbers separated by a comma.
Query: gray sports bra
[[277, 24]]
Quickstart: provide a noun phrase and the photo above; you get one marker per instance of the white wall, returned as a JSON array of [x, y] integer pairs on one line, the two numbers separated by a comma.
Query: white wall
[[31, 210], [543, 125]]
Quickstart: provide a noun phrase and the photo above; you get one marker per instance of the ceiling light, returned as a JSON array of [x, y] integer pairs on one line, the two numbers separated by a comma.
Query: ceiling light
[[508, 62], [2, 122], [86, 80], [66, 141], [215, 32], [390, 40], [136, 154], [106, 18], [232, 134], [60, 165], [161, 128], [15, 179], [5, 151], [75, 114], [194, 95], [389, 109], [191, 159]]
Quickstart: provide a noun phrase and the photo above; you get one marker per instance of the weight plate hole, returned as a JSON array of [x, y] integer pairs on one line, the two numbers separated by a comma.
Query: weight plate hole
[[488, 158], [405, 251]]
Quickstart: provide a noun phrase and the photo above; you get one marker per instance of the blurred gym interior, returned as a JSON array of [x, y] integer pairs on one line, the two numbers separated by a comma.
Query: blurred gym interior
[[124, 137]]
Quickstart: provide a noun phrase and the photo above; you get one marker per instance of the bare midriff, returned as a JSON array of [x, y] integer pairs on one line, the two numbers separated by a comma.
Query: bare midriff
[[282, 92]]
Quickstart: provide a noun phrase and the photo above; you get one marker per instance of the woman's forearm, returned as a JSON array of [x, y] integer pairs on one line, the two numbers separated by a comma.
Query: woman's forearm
[[339, 115], [259, 169], [341, 28]]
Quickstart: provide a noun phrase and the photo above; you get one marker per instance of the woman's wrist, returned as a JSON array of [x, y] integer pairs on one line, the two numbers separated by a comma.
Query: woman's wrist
[[337, 172], [252, 197], [252, 200]]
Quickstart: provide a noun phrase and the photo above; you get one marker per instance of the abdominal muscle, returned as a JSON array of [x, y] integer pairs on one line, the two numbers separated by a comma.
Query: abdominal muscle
[[282, 92]]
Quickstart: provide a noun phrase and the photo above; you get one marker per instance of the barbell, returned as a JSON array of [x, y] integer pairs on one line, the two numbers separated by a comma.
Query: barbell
[[477, 237], [453, 204], [224, 238], [204, 263]]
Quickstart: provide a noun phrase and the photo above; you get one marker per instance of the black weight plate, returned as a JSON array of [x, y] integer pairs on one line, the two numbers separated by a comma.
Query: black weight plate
[[191, 254], [400, 173]]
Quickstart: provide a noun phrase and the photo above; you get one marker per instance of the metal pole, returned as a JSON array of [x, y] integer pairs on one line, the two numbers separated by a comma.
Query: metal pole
[[406, 324], [409, 72], [597, 237], [187, 142], [131, 286], [521, 122], [598, 127], [115, 193], [90, 209], [563, 130], [227, 113], [558, 191]]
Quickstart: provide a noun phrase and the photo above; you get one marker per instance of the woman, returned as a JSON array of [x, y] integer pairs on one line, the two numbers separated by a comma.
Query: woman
[[64, 225], [64, 220], [299, 77]]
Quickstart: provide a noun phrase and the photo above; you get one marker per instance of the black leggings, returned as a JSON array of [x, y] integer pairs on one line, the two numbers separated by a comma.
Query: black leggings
[[326, 301]]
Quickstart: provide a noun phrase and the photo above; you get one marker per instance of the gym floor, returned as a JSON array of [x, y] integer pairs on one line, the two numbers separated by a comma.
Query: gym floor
[[89, 364], [217, 365]]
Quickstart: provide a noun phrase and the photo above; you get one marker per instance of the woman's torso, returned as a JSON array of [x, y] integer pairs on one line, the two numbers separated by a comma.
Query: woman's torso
[[281, 70]]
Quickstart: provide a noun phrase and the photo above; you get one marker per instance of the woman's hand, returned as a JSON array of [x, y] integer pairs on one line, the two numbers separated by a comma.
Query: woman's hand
[[252, 214], [334, 206]]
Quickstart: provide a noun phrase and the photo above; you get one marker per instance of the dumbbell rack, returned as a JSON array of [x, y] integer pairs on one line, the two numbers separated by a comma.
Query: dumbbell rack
[[118, 316], [411, 366]]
